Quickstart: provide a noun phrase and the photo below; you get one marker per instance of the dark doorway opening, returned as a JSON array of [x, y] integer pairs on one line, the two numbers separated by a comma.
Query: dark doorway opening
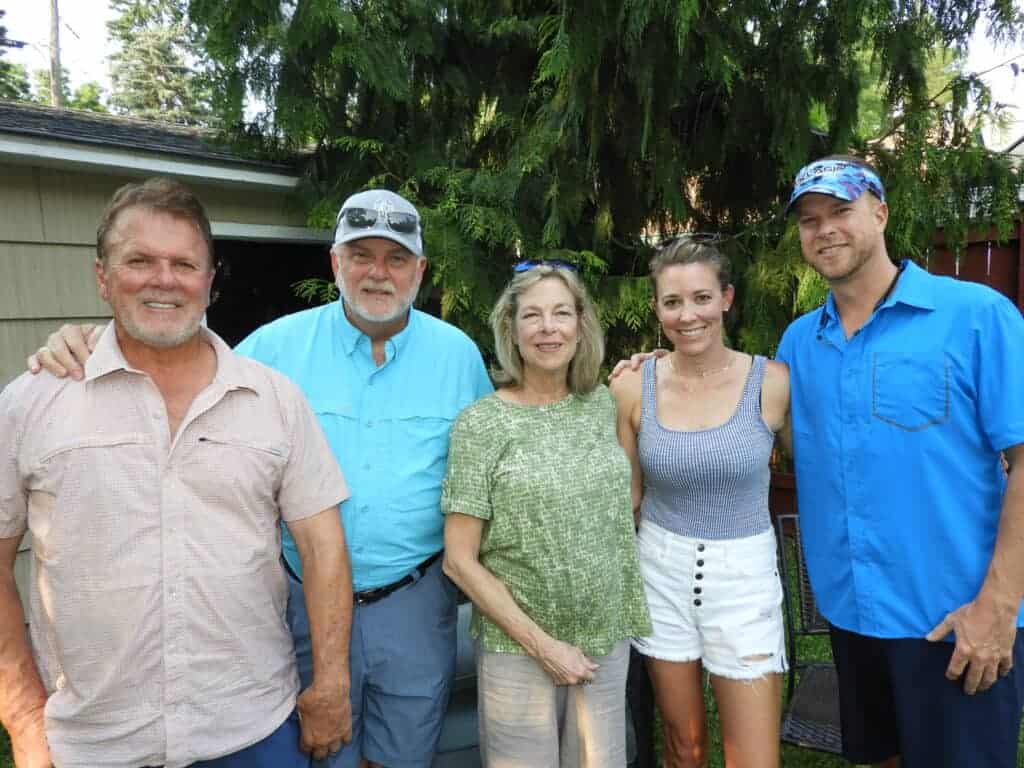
[[256, 283]]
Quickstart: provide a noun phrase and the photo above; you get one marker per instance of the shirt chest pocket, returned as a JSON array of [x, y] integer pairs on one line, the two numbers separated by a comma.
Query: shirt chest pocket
[[910, 392], [257, 461], [89, 463]]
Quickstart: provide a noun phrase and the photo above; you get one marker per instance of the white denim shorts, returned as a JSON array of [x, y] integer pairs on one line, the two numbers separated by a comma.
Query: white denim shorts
[[717, 601]]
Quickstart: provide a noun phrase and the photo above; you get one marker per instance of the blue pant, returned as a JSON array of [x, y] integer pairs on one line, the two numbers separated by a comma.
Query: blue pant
[[402, 662], [894, 699], [279, 750]]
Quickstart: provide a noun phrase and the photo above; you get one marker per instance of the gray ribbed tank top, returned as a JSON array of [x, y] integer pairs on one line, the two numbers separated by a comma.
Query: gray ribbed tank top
[[708, 483]]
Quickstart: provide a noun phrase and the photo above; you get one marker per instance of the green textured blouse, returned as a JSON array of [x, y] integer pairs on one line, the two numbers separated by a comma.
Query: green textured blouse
[[552, 483]]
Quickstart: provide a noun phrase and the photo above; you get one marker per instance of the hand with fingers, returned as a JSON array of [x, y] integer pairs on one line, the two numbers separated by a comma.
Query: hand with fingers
[[66, 351], [566, 664], [634, 362], [325, 720], [984, 635]]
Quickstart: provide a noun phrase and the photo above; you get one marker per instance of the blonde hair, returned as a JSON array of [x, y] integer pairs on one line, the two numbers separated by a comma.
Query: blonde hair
[[686, 250], [585, 367]]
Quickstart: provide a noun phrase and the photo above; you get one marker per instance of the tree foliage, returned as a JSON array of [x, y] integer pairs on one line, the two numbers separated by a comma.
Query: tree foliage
[[590, 130], [13, 77], [152, 73]]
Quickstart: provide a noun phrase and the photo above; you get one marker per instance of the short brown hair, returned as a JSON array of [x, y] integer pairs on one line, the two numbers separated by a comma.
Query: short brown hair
[[585, 368], [685, 249], [158, 194]]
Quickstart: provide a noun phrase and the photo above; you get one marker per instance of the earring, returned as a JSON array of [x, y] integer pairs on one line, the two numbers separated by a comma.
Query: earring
[[658, 345]]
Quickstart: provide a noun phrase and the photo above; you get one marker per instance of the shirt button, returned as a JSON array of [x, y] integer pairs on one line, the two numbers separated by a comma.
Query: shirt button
[[700, 562], [700, 547], [699, 576], [697, 602], [369, 423], [366, 465], [696, 590]]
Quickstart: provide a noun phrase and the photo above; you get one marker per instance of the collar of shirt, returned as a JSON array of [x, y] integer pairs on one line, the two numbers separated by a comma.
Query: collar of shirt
[[351, 336], [107, 358], [912, 288]]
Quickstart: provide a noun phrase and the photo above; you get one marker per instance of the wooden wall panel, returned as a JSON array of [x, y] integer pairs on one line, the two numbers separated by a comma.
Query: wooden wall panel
[[72, 204], [21, 217], [48, 281], [20, 338], [251, 207]]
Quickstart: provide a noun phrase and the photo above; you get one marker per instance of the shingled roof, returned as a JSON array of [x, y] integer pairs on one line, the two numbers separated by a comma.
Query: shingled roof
[[123, 133]]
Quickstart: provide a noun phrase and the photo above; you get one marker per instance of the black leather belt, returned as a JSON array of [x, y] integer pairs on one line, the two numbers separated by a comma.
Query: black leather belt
[[368, 596]]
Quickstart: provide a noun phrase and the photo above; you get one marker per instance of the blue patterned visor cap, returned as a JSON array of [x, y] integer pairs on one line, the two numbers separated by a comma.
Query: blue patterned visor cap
[[837, 178]]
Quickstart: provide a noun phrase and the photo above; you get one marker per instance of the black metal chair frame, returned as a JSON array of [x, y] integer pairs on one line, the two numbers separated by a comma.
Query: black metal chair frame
[[811, 715]]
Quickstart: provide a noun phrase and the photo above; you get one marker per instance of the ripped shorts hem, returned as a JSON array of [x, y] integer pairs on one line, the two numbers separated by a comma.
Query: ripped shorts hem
[[756, 671], [647, 652]]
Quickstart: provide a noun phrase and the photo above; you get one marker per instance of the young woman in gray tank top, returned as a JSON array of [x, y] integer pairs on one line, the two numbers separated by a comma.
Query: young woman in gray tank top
[[698, 426]]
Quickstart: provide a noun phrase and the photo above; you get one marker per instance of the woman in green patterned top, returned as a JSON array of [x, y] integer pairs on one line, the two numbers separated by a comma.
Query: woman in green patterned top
[[539, 534]]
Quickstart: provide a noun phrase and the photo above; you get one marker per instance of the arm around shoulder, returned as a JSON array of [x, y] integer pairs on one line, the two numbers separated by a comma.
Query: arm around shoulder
[[775, 395]]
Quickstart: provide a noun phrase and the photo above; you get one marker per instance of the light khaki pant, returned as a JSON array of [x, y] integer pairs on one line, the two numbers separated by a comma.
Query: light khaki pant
[[526, 721]]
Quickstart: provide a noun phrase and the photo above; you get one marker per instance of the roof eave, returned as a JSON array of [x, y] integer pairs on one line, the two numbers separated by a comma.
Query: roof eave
[[30, 150]]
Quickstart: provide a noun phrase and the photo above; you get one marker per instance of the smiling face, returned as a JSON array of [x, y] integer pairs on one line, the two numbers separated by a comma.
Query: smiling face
[[841, 239], [156, 277], [378, 279], [547, 328], [689, 305]]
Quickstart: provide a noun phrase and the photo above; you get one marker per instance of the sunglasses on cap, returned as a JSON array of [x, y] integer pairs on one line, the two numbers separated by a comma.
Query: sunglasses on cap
[[366, 218], [526, 266]]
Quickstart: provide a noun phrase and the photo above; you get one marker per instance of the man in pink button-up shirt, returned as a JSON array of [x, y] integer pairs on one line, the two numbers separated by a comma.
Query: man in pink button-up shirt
[[154, 489]]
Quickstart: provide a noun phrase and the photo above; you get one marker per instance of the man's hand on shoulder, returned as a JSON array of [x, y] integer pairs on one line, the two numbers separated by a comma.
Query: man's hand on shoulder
[[66, 351], [634, 362], [984, 633], [325, 718]]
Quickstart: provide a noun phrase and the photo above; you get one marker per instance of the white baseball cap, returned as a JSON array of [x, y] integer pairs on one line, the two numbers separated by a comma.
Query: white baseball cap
[[380, 213]]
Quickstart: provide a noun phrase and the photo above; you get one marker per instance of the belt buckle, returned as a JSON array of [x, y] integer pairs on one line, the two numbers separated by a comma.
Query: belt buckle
[[369, 596]]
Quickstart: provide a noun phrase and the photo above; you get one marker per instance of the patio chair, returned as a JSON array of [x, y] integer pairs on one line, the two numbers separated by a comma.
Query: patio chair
[[811, 715]]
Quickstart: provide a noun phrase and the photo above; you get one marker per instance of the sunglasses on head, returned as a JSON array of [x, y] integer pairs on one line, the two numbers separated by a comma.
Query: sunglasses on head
[[366, 218], [701, 238], [526, 266]]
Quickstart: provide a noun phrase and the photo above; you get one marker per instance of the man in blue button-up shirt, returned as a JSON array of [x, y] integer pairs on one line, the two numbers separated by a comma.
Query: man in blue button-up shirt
[[906, 389]]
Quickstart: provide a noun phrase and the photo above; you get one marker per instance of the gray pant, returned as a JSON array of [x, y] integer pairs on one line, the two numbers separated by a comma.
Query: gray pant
[[526, 721]]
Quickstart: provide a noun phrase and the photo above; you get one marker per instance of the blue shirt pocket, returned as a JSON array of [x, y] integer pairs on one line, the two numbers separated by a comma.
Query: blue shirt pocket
[[911, 393]]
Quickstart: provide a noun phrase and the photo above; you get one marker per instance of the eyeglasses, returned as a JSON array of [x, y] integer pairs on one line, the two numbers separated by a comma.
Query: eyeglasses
[[526, 266], [366, 218]]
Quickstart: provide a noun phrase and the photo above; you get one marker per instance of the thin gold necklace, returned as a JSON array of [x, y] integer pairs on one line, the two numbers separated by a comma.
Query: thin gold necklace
[[702, 374]]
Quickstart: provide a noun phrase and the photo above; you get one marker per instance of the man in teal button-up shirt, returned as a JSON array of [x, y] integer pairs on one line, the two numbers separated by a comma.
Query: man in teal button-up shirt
[[386, 381], [906, 387]]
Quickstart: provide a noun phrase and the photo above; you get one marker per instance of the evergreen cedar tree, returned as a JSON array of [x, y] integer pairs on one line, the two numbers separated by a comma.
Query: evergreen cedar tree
[[587, 130]]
